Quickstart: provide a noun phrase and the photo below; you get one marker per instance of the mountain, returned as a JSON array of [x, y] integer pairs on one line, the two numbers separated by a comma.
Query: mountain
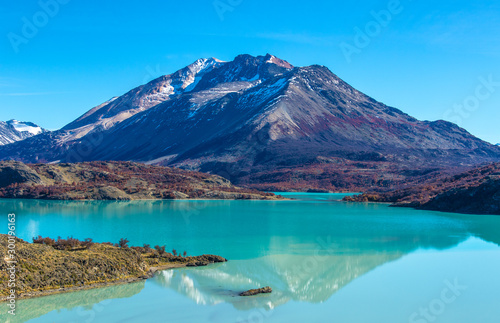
[[262, 122], [476, 191], [13, 130]]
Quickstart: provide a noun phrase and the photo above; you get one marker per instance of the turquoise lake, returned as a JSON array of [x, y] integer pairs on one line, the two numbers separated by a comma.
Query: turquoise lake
[[326, 260]]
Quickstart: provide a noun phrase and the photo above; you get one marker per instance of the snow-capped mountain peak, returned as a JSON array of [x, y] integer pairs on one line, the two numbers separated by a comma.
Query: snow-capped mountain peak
[[271, 59], [25, 127], [203, 64], [14, 130], [196, 71]]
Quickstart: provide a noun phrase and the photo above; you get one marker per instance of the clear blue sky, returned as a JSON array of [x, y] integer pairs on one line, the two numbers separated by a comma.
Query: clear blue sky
[[424, 59]]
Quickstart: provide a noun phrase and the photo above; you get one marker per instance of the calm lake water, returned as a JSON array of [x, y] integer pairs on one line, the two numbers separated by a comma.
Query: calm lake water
[[327, 261]]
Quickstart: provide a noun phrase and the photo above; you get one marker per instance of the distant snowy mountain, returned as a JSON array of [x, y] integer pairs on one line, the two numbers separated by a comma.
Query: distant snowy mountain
[[13, 131]]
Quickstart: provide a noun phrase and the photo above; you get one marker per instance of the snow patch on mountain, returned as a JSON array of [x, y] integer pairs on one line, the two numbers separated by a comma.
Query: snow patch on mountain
[[14, 130], [191, 86], [262, 93], [197, 70], [26, 127]]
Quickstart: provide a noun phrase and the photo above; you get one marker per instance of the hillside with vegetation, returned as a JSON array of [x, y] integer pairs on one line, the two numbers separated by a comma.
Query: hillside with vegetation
[[476, 191], [114, 181], [50, 266]]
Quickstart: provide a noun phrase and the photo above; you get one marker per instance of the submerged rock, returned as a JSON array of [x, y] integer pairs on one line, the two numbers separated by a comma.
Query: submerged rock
[[253, 292]]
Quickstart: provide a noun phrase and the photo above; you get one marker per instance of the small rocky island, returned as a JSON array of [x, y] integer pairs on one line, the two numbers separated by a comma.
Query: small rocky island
[[253, 292], [115, 181], [50, 266]]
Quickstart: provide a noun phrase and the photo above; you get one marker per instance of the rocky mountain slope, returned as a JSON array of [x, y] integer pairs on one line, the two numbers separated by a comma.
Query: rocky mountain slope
[[13, 130], [262, 122], [476, 191], [114, 181]]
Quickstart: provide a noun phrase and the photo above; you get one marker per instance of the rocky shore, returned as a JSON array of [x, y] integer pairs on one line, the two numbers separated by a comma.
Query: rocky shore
[[42, 269], [473, 192]]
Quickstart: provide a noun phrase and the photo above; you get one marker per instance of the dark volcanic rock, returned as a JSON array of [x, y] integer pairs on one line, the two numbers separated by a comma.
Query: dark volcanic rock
[[253, 292]]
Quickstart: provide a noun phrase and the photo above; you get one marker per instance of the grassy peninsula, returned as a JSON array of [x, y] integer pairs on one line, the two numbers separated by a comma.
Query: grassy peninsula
[[54, 266]]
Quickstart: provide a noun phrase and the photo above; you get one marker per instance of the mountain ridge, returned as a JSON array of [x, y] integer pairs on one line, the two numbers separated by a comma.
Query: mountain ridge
[[260, 120]]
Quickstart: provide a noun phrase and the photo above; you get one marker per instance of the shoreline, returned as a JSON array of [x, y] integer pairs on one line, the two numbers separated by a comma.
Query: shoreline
[[48, 266], [116, 181], [143, 200], [151, 273], [278, 197]]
